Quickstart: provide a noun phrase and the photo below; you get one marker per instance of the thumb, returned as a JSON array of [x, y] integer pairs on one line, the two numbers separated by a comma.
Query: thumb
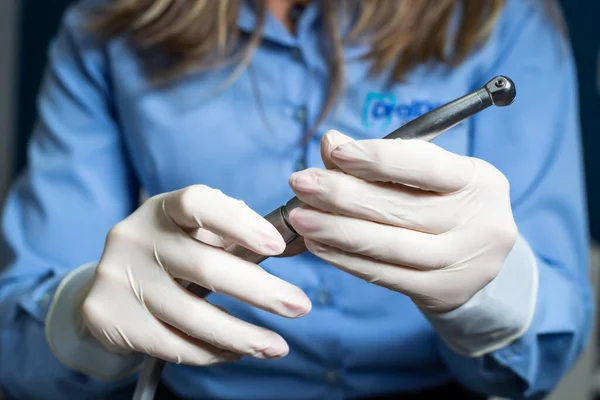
[[330, 141]]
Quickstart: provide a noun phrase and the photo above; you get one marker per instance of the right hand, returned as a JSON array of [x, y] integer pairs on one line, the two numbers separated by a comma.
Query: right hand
[[137, 302]]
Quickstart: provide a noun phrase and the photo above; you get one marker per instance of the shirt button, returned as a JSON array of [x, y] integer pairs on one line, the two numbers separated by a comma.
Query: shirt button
[[300, 114], [44, 300], [323, 298], [332, 376], [296, 54]]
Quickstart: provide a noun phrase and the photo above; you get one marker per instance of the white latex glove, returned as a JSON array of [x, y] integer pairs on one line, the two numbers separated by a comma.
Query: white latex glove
[[137, 305], [407, 215]]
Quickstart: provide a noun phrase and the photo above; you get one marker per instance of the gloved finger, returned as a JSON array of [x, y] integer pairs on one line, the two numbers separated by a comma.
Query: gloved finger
[[214, 355], [398, 278], [409, 162], [198, 318], [141, 332], [294, 248], [221, 272], [330, 141], [436, 291], [206, 236], [339, 193], [378, 241], [200, 206]]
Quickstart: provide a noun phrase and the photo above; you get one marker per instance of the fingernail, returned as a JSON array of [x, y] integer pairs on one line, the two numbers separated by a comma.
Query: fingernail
[[271, 244], [348, 152], [297, 303], [304, 181], [296, 310], [303, 219], [274, 346], [274, 352]]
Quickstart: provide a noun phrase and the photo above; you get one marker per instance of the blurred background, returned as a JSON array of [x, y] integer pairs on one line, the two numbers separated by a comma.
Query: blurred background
[[27, 26]]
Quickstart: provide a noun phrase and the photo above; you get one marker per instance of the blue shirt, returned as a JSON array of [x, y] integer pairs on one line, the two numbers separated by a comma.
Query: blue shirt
[[105, 133]]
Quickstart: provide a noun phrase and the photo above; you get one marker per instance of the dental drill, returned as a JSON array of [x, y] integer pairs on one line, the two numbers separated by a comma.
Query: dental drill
[[500, 92]]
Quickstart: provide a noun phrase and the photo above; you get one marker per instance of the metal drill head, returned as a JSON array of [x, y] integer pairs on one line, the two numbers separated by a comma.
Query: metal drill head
[[502, 90]]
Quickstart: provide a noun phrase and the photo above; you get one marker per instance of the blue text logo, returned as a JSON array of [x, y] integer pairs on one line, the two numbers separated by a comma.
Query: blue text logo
[[382, 109]]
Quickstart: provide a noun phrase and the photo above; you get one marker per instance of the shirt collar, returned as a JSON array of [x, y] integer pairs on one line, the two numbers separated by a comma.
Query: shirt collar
[[274, 30]]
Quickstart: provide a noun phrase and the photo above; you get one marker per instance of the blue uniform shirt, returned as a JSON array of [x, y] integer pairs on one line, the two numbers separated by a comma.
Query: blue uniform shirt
[[105, 133]]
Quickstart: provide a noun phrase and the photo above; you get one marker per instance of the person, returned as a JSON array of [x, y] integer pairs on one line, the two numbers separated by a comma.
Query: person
[[167, 129]]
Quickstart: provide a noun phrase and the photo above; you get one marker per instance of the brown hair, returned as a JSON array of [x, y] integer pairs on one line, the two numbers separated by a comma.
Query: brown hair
[[198, 34]]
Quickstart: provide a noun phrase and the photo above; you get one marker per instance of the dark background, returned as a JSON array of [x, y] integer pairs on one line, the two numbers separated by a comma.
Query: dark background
[[40, 19]]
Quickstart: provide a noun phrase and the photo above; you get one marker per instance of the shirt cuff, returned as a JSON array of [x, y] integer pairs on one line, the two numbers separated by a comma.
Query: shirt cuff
[[75, 347], [499, 313]]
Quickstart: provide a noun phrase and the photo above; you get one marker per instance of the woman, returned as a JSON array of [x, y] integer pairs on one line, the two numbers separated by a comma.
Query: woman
[[424, 275]]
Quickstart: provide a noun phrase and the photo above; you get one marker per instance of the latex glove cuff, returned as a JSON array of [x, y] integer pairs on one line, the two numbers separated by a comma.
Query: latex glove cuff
[[73, 345], [499, 313]]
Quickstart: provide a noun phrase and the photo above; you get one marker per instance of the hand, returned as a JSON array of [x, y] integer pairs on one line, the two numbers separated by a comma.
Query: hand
[[137, 303], [406, 215]]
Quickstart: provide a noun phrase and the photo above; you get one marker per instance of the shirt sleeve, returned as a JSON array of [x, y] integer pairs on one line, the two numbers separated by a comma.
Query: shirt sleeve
[[77, 185], [536, 143]]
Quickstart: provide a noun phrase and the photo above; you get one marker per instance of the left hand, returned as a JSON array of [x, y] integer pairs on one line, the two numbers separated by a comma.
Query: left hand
[[406, 215]]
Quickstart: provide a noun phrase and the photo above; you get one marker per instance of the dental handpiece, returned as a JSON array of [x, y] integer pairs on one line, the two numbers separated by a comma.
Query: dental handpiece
[[500, 92]]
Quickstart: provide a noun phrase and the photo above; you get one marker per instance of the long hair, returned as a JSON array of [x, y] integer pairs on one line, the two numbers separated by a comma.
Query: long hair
[[203, 34]]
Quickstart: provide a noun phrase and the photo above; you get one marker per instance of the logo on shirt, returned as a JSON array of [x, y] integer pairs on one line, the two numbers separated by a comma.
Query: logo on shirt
[[381, 110]]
